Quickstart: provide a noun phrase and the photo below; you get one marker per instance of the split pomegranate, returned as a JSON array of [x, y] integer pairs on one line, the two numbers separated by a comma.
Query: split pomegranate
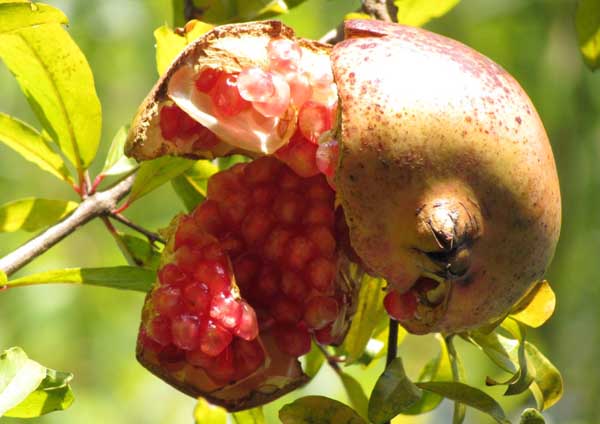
[[409, 154]]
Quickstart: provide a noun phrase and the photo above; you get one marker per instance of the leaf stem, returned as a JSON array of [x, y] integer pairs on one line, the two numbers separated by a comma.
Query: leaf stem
[[392, 348], [331, 360], [152, 237]]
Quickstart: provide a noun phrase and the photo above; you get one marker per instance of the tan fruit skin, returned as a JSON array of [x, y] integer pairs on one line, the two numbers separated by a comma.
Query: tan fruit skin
[[434, 138]]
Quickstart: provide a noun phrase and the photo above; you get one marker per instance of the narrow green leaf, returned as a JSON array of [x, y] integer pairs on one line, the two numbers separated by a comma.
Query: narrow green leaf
[[537, 307], [393, 393], [19, 376], [14, 16], [116, 162], [587, 24], [313, 361], [59, 86], [31, 214], [548, 384], [369, 314], [318, 410], [356, 394], [458, 375], [249, 416], [205, 413], [419, 12], [467, 395], [190, 186], [118, 277], [501, 350], [437, 369], [154, 173], [53, 394], [525, 373], [531, 416], [32, 145]]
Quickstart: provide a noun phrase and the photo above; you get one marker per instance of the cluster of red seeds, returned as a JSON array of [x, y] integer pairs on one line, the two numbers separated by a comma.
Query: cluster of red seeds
[[270, 92], [277, 231]]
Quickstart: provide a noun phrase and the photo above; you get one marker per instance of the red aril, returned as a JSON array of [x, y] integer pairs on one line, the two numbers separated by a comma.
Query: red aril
[[185, 330], [214, 338], [401, 307], [207, 79], [247, 327], [226, 97], [313, 120], [225, 310], [292, 340], [167, 300], [320, 311]]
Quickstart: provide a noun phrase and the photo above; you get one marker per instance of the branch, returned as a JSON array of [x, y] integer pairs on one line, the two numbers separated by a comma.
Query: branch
[[384, 10], [392, 349], [152, 237], [99, 204]]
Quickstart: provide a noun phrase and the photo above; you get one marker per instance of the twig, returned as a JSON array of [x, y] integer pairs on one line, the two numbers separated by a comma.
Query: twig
[[92, 207], [384, 10], [152, 237], [331, 360], [392, 348]]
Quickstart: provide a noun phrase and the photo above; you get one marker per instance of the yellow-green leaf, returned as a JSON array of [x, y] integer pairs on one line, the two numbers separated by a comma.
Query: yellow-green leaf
[[14, 16], [205, 413], [152, 174], [531, 416], [53, 394], [419, 12], [31, 214], [547, 387], [169, 43], [369, 315], [587, 23], [118, 277], [313, 361], [32, 145], [116, 162], [318, 410], [191, 186], [58, 84], [393, 394], [250, 416], [467, 395], [356, 394], [537, 307], [19, 376]]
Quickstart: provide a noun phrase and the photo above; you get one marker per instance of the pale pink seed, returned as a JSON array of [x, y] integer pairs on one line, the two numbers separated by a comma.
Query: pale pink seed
[[284, 55], [313, 120], [247, 328], [327, 157], [226, 310], [300, 88], [255, 85], [278, 103]]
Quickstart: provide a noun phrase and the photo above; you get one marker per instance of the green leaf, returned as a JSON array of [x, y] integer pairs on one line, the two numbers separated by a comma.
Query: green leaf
[[369, 314], [250, 416], [32, 145], [205, 413], [501, 350], [138, 251], [537, 307], [116, 162], [318, 410], [19, 376], [190, 186], [31, 214], [393, 393], [118, 277], [59, 86], [526, 373], [531, 416], [14, 16], [437, 369], [313, 361], [53, 394], [547, 387], [356, 394], [467, 395], [587, 24], [170, 43], [152, 174], [458, 375], [419, 12]]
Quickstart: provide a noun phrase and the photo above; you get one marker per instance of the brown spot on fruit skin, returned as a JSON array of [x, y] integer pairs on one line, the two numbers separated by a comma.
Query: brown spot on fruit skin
[[441, 125]]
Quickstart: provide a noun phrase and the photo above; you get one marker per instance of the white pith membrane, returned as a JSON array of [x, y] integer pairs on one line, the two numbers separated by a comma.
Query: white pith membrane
[[252, 130]]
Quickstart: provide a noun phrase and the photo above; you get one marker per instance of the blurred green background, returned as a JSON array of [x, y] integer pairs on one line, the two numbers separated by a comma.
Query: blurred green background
[[91, 331]]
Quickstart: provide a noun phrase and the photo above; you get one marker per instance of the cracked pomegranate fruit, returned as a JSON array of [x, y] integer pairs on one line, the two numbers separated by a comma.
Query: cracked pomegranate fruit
[[399, 150]]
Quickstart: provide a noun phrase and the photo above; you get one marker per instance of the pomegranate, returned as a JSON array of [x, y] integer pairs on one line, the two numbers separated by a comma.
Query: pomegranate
[[400, 150]]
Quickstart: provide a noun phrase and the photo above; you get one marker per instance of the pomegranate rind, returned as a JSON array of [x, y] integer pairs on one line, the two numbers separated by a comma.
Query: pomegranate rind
[[229, 48], [441, 121], [278, 375]]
